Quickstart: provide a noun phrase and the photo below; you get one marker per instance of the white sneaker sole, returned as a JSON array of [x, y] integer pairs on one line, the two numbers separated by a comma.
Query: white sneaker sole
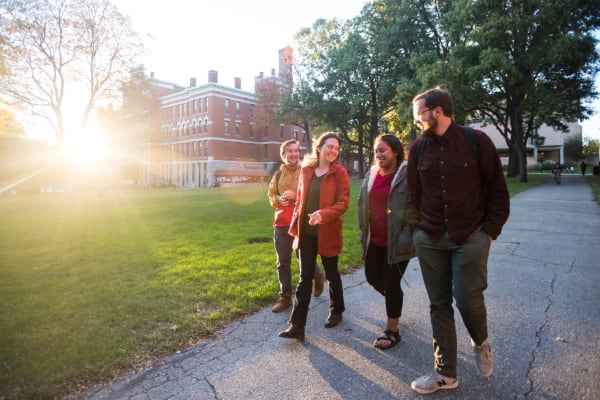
[[414, 387]]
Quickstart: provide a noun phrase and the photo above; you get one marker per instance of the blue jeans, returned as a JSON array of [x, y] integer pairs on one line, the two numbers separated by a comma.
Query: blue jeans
[[308, 264], [283, 248], [459, 271]]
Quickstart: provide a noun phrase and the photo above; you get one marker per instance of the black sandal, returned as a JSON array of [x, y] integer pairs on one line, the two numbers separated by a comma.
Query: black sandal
[[392, 337]]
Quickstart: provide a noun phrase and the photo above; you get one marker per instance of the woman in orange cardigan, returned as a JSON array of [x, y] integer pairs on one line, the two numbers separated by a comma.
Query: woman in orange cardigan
[[322, 199]]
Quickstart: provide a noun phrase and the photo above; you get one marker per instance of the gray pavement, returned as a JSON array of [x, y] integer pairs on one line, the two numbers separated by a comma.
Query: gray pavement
[[544, 323]]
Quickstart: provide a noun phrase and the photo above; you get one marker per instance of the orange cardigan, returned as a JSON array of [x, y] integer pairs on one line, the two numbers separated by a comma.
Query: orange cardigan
[[333, 203]]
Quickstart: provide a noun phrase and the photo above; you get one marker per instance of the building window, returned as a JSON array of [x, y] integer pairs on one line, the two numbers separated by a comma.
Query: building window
[[281, 128], [238, 128], [227, 127], [226, 106], [266, 131], [237, 108], [206, 104], [252, 130], [252, 110], [265, 151], [303, 137], [295, 135], [205, 125]]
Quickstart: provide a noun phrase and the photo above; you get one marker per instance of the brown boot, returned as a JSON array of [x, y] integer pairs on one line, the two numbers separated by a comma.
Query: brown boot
[[318, 285], [282, 304], [293, 332]]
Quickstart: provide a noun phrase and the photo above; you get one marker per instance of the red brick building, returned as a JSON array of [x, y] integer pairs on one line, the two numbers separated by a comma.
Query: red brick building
[[213, 134]]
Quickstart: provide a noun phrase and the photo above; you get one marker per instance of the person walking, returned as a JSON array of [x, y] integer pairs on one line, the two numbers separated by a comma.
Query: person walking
[[385, 236], [583, 166], [322, 199], [282, 197], [458, 203]]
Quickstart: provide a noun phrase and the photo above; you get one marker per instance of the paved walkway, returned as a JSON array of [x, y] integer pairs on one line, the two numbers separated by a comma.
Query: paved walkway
[[544, 319]]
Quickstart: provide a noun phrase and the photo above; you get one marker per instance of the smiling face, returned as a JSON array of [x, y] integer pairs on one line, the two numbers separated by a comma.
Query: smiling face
[[425, 118], [385, 156], [291, 155], [329, 151]]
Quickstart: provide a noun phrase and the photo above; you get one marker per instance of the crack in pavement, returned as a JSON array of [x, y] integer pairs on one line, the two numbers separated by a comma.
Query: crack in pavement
[[540, 330]]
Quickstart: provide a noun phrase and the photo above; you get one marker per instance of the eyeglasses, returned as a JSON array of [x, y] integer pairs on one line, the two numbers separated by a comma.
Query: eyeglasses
[[423, 111]]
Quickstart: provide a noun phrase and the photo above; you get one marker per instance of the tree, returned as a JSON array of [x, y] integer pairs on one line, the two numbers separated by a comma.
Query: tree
[[573, 147], [52, 45], [355, 68], [108, 49], [268, 92], [9, 126], [139, 115], [39, 48], [516, 65], [591, 150]]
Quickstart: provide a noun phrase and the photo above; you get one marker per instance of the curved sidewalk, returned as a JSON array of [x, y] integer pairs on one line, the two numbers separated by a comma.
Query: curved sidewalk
[[544, 323]]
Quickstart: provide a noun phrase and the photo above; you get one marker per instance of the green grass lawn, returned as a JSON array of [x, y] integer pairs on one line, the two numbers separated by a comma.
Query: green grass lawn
[[594, 182], [93, 286]]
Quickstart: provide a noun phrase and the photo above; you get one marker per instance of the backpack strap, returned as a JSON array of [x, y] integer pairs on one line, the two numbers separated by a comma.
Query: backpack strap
[[471, 137], [277, 176]]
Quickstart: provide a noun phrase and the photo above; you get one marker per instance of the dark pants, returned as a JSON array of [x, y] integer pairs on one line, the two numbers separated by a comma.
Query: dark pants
[[385, 278], [459, 271], [308, 263], [283, 248]]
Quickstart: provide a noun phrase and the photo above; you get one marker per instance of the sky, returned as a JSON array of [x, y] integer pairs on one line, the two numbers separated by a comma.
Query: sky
[[237, 38]]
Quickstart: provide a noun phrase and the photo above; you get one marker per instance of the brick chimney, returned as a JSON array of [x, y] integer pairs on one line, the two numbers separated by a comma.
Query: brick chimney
[[213, 76], [192, 82], [238, 83]]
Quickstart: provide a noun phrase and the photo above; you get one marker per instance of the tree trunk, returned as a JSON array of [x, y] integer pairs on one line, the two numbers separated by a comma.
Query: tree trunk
[[513, 162], [361, 158], [522, 152]]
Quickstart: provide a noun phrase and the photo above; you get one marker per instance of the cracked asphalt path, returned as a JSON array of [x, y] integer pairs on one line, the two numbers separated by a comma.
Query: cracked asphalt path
[[544, 319]]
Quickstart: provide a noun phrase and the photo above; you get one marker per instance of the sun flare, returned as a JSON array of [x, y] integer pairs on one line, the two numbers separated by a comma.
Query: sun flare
[[86, 148]]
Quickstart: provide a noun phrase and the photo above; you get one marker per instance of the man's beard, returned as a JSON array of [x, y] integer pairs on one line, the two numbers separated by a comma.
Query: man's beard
[[430, 131]]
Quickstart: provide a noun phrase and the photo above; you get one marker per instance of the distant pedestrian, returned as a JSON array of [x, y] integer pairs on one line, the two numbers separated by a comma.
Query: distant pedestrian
[[458, 202], [385, 234], [583, 166], [282, 196], [323, 195]]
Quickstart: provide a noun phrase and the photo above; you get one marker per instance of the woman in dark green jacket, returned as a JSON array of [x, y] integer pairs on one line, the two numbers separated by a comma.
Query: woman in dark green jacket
[[385, 235]]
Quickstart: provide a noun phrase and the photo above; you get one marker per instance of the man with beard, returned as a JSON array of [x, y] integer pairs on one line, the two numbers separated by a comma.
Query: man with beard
[[457, 202]]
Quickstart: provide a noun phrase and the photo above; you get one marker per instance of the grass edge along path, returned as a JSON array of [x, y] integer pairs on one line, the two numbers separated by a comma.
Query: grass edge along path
[[93, 287]]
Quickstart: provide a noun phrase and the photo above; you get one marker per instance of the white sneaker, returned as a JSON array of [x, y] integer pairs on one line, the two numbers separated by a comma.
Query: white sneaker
[[432, 383], [484, 359]]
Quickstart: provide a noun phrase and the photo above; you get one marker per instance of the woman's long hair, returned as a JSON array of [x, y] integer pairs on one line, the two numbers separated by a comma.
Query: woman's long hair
[[312, 159]]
